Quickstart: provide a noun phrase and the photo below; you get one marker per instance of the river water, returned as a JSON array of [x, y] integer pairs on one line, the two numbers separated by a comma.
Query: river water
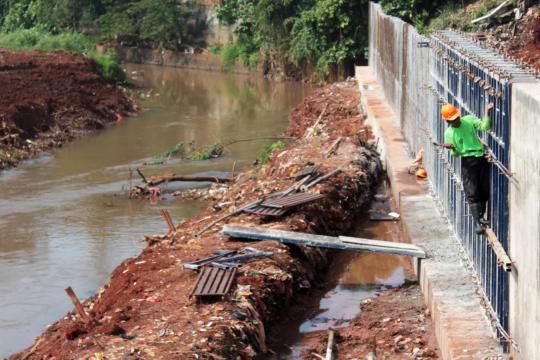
[[65, 219]]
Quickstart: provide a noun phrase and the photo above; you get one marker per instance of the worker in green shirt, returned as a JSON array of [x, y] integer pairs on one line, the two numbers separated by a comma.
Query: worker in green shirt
[[462, 140]]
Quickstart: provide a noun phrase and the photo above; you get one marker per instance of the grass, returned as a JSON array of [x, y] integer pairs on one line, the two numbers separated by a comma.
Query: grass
[[267, 151], [452, 16], [35, 39], [187, 152], [212, 152]]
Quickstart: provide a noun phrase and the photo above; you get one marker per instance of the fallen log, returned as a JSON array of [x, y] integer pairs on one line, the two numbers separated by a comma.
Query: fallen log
[[156, 180]]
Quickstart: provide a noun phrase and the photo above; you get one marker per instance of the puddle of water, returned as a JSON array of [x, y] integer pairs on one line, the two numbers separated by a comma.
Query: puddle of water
[[363, 277], [64, 217]]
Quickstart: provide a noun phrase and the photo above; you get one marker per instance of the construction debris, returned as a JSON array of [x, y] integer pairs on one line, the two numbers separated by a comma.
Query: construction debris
[[230, 258], [322, 241], [289, 201], [213, 281], [149, 292]]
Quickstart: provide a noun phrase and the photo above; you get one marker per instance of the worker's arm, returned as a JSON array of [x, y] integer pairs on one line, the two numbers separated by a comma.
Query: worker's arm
[[449, 145], [484, 125]]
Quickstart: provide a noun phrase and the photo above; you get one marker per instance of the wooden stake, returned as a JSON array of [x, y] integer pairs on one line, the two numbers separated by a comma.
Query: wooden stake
[[307, 133], [78, 306], [168, 220]]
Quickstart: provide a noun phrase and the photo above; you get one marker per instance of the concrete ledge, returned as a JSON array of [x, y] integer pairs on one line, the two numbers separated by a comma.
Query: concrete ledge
[[461, 326]]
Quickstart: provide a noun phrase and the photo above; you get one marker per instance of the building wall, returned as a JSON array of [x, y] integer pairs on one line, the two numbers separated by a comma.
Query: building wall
[[525, 221]]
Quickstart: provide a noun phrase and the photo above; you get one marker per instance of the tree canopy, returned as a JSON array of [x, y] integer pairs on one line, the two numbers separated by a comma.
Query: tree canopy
[[299, 34]]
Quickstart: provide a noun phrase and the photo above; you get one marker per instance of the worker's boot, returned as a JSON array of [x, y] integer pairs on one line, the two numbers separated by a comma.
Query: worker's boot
[[476, 211], [483, 220]]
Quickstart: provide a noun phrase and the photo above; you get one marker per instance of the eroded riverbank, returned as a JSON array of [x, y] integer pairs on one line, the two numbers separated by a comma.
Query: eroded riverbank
[[147, 296], [50, 98], [145, 310], [65, 219]]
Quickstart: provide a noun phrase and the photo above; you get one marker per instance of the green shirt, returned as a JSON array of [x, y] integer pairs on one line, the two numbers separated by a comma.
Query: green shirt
[[464, 138]]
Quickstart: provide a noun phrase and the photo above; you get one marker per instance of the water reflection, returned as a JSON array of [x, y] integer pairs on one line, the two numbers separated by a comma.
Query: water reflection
[[65, 219]]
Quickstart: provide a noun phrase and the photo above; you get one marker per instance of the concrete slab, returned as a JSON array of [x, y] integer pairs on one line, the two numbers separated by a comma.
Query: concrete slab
[[461, 325]]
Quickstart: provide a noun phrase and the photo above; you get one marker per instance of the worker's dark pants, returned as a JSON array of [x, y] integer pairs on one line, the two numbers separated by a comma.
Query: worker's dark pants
[[475, 176]]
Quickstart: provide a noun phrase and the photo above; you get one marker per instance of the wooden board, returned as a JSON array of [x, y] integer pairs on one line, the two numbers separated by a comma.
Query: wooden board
[[330, 242], [213, 281]]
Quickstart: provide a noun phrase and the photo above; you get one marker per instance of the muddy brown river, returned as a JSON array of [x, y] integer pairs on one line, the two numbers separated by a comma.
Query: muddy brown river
[[65, 219]]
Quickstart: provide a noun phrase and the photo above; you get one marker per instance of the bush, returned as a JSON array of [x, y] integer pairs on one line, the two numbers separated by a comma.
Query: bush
[[21, 39], [229, 54], [36, 39], [266, 152], [108, 67]]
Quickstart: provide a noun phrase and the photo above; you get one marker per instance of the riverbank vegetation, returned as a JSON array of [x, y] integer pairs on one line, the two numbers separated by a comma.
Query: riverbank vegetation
[[79, 25], [434, 15], [36, 39], [297, 37]]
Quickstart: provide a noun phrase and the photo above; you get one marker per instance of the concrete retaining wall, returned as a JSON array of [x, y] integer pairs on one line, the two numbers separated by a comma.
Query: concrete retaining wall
[[200, 61], [402, 68], [525, 221]]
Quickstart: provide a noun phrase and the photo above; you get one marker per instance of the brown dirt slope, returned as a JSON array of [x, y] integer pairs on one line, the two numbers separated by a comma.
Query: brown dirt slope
[[145, 312], [392, 326], [519, 39], [49, 98]]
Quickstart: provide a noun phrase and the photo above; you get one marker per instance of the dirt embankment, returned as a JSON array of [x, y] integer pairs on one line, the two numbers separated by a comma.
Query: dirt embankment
[[47, 99], [394, 325], [145, 312], [519, 38]]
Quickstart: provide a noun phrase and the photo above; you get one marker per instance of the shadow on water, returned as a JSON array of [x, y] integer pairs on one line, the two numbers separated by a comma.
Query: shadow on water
[[65, 219], [353, 277]]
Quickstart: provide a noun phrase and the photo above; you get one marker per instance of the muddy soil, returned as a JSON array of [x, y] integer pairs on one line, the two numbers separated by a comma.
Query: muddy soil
[[50, 98], [393, 325], [519, 38], [145, 310]]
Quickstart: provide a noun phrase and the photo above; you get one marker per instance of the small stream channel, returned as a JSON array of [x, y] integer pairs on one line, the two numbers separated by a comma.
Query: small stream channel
[[65, 219], [352, 278]]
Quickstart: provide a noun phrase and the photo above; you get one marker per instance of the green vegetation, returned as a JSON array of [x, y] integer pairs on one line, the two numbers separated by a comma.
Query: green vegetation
[[266, 152], [50, 25], [212, 152], [291, 36], [153, 23], [438, 14], [456, 17], [35, 39], [189, 152]]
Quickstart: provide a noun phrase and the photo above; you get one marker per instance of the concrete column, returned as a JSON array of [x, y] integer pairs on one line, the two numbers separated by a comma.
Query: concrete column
[[524, 250]]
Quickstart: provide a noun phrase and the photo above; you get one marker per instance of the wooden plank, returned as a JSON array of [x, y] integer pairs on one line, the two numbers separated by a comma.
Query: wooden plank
[[503, 259], [355, 244], [386, 247]]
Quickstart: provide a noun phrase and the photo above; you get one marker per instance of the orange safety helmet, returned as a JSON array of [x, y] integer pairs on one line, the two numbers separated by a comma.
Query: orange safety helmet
[[421, 173], [449, 112]]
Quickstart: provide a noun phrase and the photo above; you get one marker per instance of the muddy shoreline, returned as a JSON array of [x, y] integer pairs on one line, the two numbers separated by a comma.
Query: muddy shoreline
[[50, 98], [145, 311]]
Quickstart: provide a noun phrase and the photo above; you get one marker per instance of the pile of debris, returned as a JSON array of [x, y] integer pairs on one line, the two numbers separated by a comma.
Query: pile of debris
[[317, 184]]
